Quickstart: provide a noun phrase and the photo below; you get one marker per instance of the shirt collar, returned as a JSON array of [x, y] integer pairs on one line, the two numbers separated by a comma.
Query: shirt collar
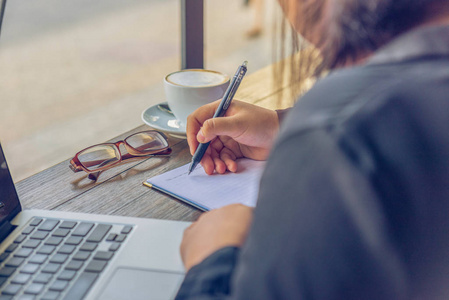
[[421, 42]]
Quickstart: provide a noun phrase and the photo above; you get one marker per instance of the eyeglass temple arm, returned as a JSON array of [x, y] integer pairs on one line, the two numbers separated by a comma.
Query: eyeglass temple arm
[[94, 176], [164, 152], [74, 165]]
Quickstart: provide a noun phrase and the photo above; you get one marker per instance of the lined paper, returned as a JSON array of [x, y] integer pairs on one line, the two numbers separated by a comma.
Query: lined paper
[[212, 191]]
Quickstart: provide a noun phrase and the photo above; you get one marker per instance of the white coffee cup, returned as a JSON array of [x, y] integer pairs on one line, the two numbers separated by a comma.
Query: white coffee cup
[[188, 89]]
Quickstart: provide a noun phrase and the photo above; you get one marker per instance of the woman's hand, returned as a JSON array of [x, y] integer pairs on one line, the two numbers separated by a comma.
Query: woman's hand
[[246, 130], [216, 229]]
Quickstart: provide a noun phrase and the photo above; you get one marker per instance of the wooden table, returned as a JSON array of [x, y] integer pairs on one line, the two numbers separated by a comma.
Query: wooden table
[[119, 191]]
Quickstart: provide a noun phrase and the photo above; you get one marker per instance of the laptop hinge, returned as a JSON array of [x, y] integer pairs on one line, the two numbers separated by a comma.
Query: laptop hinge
[[6, 229]]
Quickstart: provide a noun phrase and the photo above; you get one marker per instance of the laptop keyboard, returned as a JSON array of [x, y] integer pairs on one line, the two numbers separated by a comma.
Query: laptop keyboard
[[58, 259]]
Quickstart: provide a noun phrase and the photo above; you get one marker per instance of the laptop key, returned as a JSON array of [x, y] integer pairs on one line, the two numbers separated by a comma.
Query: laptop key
[[26, 297], [7, 271], [21, 278], [11, 289], [20, 239], [50, 295], [81, 286], [114, 246], [11, 248], [31, 244], [81, 255], [74, 240], [43, 278], [38, 259], [36, 221], [34, 288], [68, 225], [29, 268], [67, 275], [28, 230], [3, 280], [83, 229], [23, 252], [48, 225], [53, 241], [46, 249], [59, 285], [61, 232], [51, 268], [127, 229], [111, 237], [39, 235], [99, 233], [66, 249], [87, 246], [74, 265], [103, 255], [4, 256], [14, 262], [5, 297], [120, 238], [59, 258], [96, 266]]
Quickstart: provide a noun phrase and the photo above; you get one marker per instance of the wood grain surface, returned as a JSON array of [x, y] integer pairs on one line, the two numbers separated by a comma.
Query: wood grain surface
[[119, 191]]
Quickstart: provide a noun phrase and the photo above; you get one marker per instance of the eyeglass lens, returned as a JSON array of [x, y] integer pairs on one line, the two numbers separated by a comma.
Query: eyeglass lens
[[147, 141], [99, 156], [104, 155]]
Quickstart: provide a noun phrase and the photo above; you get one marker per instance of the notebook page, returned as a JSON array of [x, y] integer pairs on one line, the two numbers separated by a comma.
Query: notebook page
[[213, 191]]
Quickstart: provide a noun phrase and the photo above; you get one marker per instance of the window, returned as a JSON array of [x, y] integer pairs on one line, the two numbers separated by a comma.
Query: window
[[76, 73]]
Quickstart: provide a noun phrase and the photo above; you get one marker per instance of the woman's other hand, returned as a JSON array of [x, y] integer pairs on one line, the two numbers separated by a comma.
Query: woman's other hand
[[216, 229]]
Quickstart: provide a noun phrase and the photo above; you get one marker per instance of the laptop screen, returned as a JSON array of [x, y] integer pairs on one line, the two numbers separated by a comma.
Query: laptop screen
[[9, 201], [2, 12]]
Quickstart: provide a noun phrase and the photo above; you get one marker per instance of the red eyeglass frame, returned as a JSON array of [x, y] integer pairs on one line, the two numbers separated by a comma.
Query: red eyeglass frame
[[77, 166]]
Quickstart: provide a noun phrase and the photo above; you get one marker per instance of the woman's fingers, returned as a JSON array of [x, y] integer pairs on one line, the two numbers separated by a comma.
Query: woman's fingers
[[223, 126], [196, 120], [208, 164], [229, 159]]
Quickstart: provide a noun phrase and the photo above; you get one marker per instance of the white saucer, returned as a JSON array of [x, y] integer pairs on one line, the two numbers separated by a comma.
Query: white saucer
[[163, 120]]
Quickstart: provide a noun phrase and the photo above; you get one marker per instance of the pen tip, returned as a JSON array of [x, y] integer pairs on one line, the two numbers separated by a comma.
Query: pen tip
[[245, 63], [189, 173]]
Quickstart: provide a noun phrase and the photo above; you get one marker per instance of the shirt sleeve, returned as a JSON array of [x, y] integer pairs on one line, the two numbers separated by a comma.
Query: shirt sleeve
[[282, 113], [210, 278]]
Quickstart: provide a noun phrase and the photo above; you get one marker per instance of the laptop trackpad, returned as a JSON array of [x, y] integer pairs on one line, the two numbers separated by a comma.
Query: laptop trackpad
[[139, 284]]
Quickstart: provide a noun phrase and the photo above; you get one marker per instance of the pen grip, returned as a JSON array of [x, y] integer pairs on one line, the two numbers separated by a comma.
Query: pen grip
[[199, 153]]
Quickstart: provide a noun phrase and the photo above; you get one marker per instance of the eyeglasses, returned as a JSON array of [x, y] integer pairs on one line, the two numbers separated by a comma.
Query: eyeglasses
[[95, 159]]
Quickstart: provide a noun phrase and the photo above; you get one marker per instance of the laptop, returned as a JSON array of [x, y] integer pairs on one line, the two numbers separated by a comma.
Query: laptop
[[63, 255]]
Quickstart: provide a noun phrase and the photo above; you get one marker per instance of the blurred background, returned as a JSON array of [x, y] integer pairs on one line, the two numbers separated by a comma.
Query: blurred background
[[77, 73]]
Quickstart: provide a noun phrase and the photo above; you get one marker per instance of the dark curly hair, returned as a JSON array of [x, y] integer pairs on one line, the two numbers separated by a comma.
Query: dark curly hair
[[349, 30], [357, 27]]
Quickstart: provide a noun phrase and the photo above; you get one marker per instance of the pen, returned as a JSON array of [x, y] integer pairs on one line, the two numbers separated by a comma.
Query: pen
[[221, 110]]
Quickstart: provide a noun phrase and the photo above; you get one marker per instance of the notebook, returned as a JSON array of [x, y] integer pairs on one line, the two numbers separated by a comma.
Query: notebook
[[63, 255], [208, 192]]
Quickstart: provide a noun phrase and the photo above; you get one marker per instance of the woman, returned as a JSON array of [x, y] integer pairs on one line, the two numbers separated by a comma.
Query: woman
[[353, 203]]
